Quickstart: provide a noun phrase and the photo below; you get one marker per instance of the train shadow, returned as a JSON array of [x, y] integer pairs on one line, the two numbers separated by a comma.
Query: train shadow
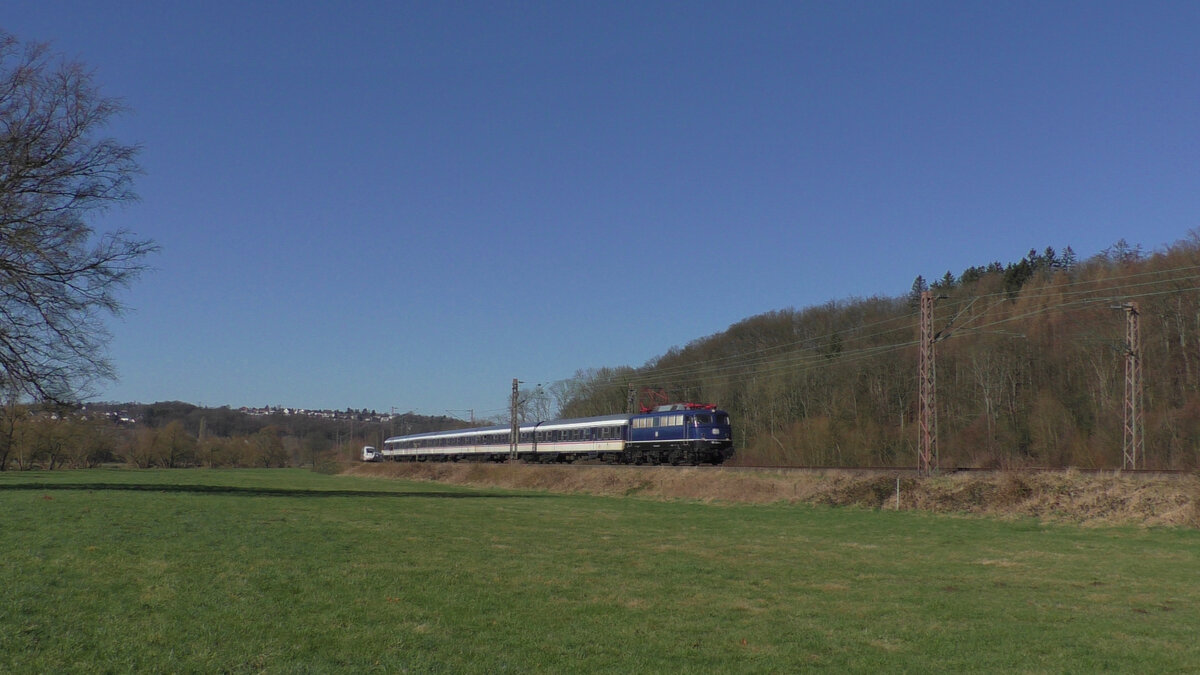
[[265, 491]]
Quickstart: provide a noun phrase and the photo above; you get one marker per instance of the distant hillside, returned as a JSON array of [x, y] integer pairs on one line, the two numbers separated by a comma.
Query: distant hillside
[[1030, 362], [229, 422]]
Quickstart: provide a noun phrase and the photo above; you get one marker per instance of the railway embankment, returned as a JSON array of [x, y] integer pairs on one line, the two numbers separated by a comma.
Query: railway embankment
[[1086, 498]]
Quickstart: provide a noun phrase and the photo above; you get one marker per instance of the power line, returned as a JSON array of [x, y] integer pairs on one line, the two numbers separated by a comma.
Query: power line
[[804, 354], [757, 357]]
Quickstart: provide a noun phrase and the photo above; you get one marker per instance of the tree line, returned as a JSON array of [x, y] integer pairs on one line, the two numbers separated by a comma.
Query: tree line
[[180, 435], [1030, 360]]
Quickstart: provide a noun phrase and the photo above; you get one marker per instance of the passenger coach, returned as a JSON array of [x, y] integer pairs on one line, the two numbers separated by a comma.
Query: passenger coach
[[673, 434]]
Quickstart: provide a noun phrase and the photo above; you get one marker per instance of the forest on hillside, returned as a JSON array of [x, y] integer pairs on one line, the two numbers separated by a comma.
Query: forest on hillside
[[1030, 368]]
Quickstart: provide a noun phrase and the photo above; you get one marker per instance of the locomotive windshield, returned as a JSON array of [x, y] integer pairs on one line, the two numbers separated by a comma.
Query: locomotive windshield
[[703, 419]]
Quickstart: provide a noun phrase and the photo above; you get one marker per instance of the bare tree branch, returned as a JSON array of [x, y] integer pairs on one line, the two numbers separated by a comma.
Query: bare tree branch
[[58, 277]]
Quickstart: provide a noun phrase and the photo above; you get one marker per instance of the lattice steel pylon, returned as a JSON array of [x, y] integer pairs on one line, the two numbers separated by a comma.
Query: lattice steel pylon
[[515, 429], [927, 454], [1134, 451]]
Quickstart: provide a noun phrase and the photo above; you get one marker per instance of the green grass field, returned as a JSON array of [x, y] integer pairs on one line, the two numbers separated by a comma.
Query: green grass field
[[293, 571]]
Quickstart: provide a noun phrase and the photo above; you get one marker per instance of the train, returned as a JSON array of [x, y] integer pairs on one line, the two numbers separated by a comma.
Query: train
[[680, 433]]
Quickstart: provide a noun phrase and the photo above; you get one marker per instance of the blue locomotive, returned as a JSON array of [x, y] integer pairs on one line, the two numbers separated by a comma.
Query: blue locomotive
[[682, 433]]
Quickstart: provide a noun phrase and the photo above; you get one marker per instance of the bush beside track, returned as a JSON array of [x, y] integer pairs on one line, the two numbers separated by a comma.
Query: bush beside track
[[1067, 496]]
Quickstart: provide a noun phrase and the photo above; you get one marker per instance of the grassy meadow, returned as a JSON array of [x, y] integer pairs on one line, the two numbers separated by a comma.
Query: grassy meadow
[[294, 571]]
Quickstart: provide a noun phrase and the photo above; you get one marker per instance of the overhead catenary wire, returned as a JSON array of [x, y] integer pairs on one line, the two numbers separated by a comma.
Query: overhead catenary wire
[[765, 352], [1002, 296], [1111, 288], [807, 353]]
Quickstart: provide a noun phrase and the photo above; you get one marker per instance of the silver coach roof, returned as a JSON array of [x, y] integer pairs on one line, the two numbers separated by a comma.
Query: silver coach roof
[[575, 423]]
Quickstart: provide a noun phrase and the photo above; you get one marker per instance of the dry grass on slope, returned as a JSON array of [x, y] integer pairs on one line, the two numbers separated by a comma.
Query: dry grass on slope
[[1068, 496]]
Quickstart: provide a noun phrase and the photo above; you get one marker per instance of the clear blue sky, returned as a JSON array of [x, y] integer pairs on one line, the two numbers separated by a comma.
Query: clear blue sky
[[400, 204]]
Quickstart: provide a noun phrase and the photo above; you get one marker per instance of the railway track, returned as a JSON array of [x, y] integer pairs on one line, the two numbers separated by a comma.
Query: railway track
[[904, 471], [969, 469]]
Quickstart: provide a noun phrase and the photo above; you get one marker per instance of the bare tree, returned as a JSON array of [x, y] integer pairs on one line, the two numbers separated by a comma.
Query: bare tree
[[58, 277], [11, 412], [533, 405]]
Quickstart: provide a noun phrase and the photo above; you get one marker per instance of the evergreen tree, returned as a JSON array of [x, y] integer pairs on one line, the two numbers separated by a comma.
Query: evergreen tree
[[1069, 259], [918, 287], [972, 275], [1016, 274], [1050, 258]]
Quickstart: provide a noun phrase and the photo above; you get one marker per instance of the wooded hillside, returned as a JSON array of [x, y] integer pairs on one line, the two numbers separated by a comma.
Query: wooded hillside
[[1030, 368]]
